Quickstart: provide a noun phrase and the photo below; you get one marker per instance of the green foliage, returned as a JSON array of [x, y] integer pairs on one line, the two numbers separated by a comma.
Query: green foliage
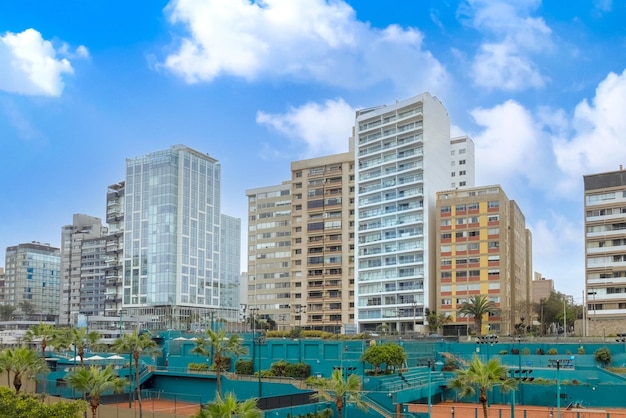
[[391, 355], [339, 390], [477, 307], [295, 332], [603, 355], [484, 377], [553, 352], [95, 382], [317, 334], [503, 352], [23, 363], [244, 367], [277, 334], [218, 346], [198, 366], [539, 351], [437, 320], [581, 350], [229, 407], [283, 368], [525, 351], [27, 406], [450, 365]]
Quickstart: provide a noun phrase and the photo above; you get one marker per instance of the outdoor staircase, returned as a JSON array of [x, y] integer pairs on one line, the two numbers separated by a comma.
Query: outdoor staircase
[[460, 360]]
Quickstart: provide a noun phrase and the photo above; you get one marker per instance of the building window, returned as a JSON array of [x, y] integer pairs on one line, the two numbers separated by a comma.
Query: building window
[[461, 162]]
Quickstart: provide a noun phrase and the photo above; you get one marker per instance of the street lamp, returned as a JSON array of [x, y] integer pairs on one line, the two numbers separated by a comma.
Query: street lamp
[[430, 372], [299, 310]]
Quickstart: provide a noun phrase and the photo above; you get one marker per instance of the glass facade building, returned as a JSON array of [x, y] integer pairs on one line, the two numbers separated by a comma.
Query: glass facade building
[[171, 250]]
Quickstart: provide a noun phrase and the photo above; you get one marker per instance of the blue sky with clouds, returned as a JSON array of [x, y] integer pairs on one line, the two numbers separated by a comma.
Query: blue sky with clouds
[[541, 89]]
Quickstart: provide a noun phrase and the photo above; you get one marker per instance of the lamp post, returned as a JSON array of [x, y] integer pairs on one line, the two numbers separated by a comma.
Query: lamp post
[[558, 390], [260, 342], [430, 372]]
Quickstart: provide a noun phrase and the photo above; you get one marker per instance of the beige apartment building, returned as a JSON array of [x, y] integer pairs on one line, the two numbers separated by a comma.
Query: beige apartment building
[[483, 248], [605, 252], [322, 225], [269, 254]]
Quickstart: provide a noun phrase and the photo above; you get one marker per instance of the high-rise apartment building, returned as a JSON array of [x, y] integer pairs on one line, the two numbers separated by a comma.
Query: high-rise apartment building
[[83, 228], [269, 253], [483, 248], [403, 157], [322, 237], [605, 252], [32, 282], [172, 239], [114, 246], [230, 260], [462, 162]]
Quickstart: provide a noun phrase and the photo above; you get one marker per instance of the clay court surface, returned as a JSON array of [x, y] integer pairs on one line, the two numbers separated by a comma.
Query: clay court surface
[[465, 410], [152, 408]]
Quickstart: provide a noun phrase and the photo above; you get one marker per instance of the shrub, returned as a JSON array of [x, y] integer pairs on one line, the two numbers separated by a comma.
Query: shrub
[[539, 351], [526, 351], [244, 367], [581, 350], [450, 365], [553, 352], [514, 351], [503, 352], [603, 355], [197, 366], [278, 334], [295, 332]]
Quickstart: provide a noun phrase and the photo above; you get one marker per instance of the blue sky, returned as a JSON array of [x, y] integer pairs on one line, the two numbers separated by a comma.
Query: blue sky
[[540, 88]]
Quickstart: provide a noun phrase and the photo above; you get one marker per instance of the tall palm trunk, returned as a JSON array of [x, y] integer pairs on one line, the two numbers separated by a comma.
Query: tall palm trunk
[[218, 372], [483, 400], [340, 405], [17, 382], [95, 402], [136, 357]]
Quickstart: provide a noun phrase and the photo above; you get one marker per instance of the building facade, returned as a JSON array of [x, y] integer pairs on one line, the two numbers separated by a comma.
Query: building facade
[[269, 254], [402, 154], [322, 237], [605, 252], [462, 162], [83, 227], [483, 248], [172, 240], [32, 282]]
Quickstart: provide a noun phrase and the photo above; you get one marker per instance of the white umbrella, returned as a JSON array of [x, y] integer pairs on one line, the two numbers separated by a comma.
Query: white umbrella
[[77, 358], [115, 357], [180, 339], [96, 357]]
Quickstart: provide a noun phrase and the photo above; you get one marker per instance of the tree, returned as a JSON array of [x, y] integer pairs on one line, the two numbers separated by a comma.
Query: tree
[[340, 391], [219, 346], [391, 355], [94, 382], [45, 332], [136, 344], [484, 376], [28, 308], [6, 312], [80, 338], [436, 321], [229, 407], [24, 363], [27, 406], [478, 306]]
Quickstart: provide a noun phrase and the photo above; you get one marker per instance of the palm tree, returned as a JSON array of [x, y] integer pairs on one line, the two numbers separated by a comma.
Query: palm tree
[[136, 344], [340, 391], [95, 382], [23, 362], [219, 346], [229, 407], [483, 376], [437, 320], [45, 332], [81, 339], [478, 306]]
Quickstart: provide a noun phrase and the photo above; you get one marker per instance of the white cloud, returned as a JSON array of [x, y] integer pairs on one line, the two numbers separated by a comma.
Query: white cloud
[[305, 39], [556, 246], [509, 143], [30, 64], [598, 141], [323, 128], [505, 60]]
